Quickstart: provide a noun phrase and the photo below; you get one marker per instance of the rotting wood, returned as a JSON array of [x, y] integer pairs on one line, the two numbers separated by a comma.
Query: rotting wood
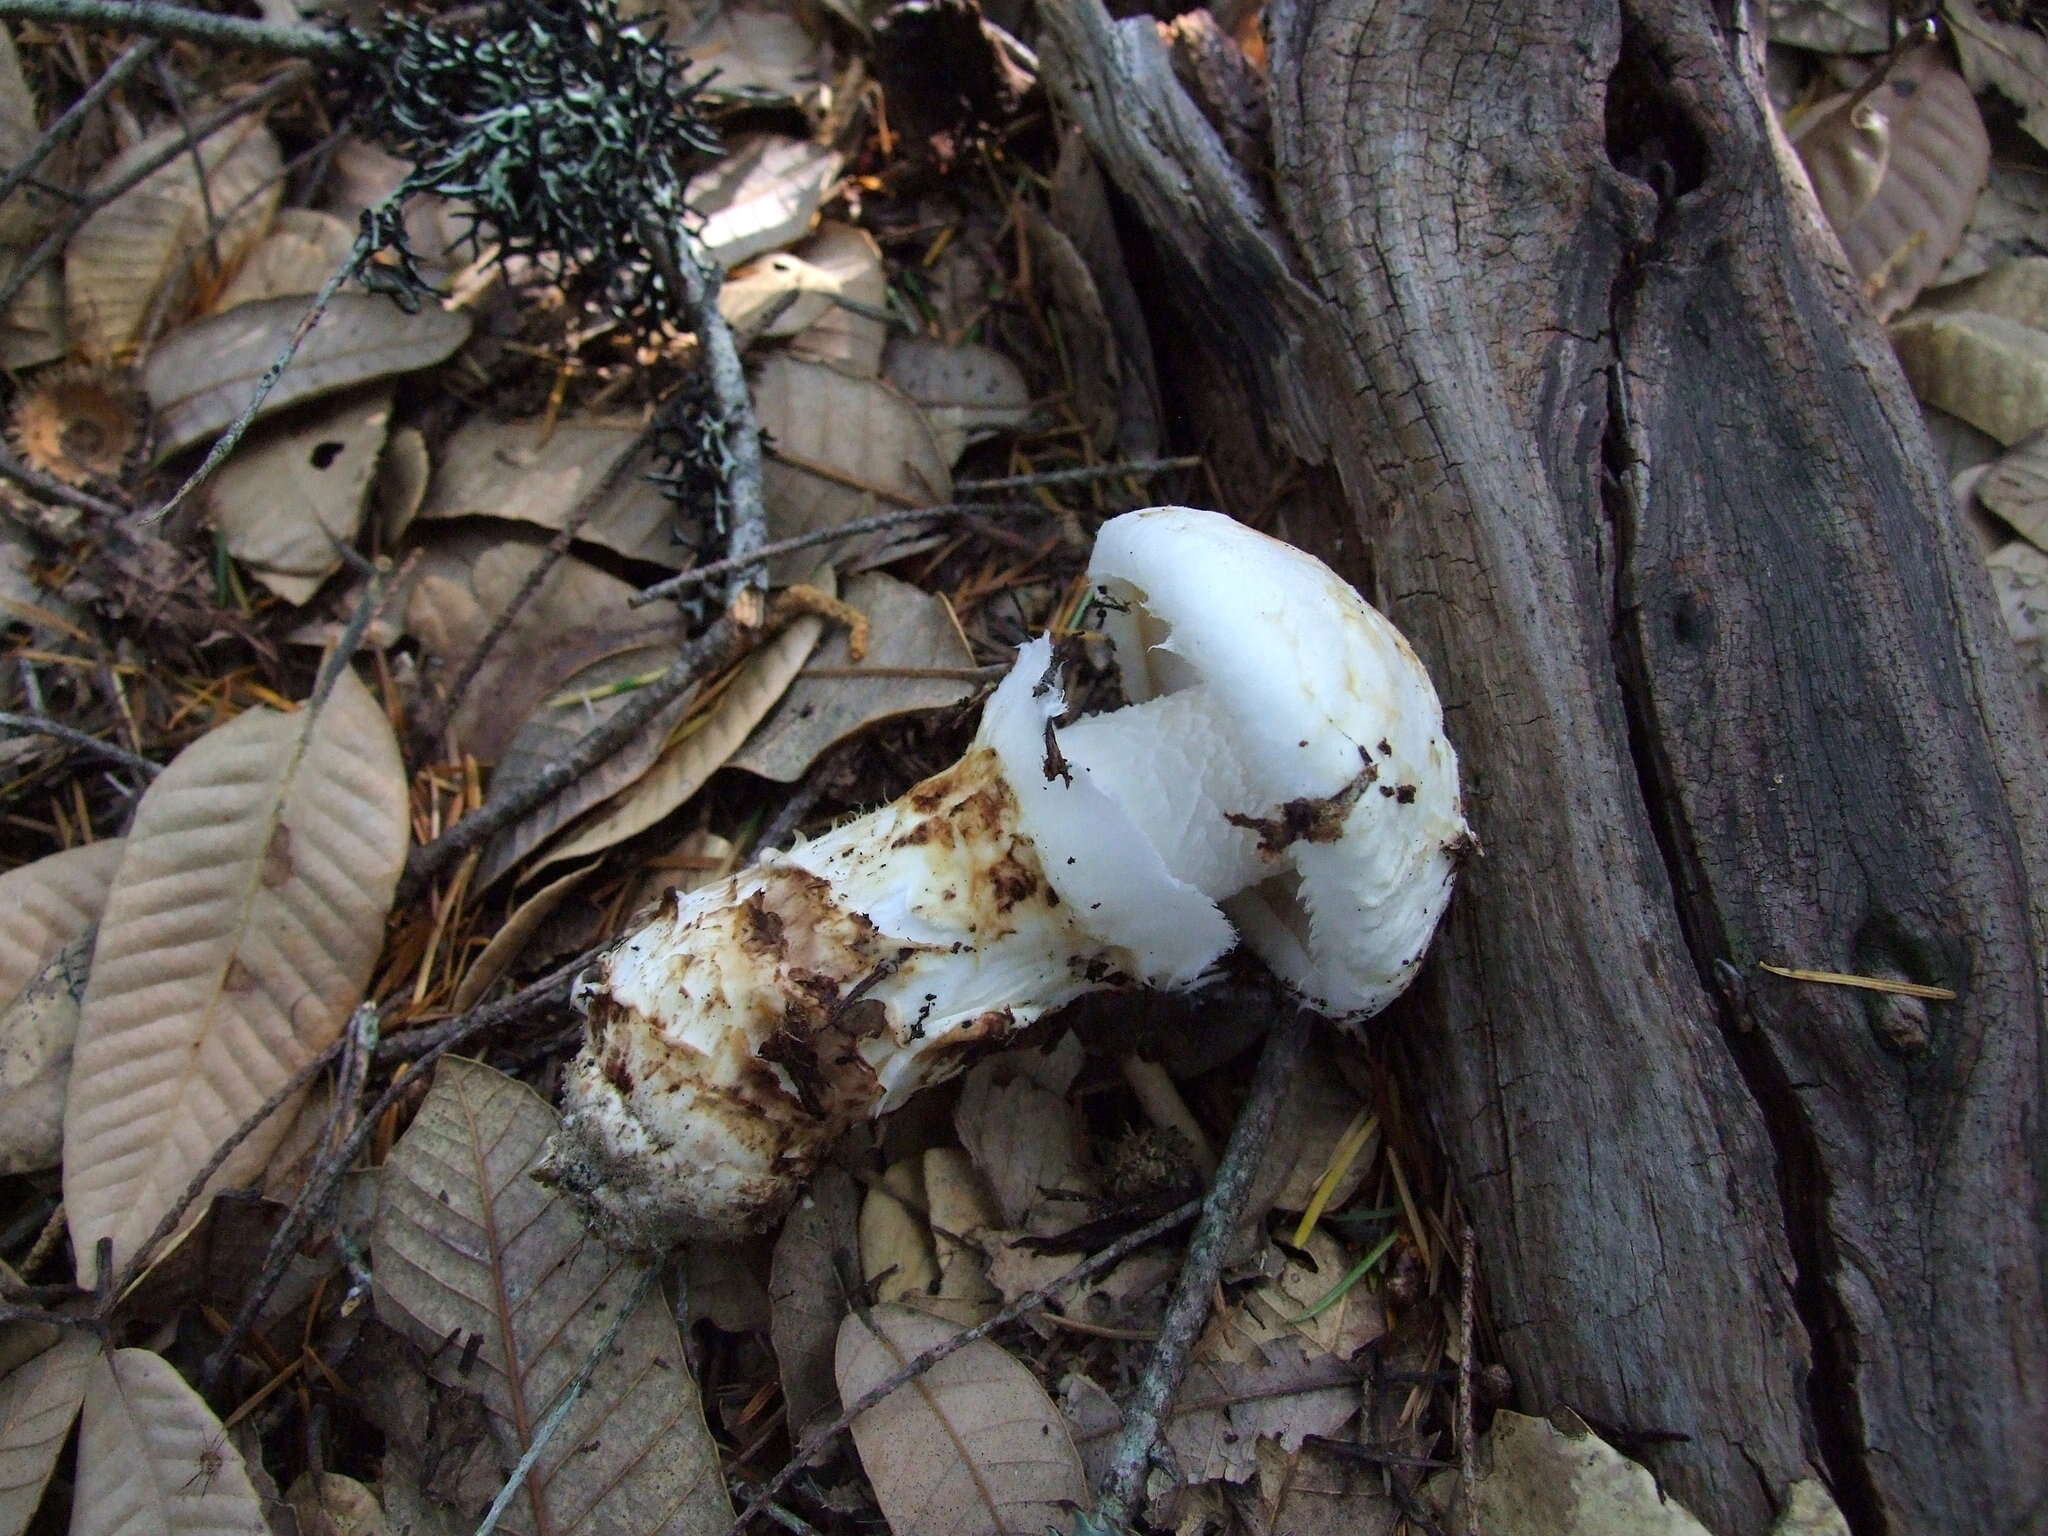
[[1644, 486]]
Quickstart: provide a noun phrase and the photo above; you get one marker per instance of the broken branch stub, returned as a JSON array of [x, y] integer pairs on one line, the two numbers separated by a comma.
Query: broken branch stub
[[1279, 774]]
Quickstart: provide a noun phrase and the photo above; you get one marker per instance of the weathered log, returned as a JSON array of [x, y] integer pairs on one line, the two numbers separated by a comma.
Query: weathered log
[[1641, 480]]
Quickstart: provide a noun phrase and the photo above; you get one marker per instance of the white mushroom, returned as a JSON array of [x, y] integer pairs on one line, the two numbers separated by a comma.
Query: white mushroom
[[1278, 773]]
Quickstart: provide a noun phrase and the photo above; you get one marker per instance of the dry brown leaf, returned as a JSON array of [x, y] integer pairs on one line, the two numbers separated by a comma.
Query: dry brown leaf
[[918, 1231], [1990, 371], [25, 215], [51, 906], [849, 340], [292, 497], [1317, 1112], [1831, 26], [239, 932], [2013, 290], [554, 729], [814, 1264], [1313, 1492], [1846, 150], [535, 474], [1275, 1308], [38, 1400], [1028, 1140], [328, 1504], [1078, 206], [776, 295], [973, 1447], [468, 1246], [762, 51], [686, 764], [968, 392], [761, 195], [2009, 219], [578, 615], [1543, 1477], [2019, 575], [1094, 362], [299, 255], [140, 257], [1938, 158], [32, 331], [200, 379], [2010, 58], [841, 448], [496, 957], [2016, 488], [152, 1457], [404, 471]]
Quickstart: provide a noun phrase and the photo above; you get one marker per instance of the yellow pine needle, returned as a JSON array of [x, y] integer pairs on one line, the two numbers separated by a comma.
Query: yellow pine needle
[[1418, 1233], [1868, 983], [1342, 1156]]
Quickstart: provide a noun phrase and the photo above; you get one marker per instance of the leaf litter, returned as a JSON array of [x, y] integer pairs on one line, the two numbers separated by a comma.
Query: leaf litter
[[455, 485]]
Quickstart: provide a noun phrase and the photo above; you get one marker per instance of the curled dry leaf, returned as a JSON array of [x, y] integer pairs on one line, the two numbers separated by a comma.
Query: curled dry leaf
[[152, 1457], [25, 215], [200, 379], [2009, 220], [139, 259], [2013, 290], [328, 1504], [1937, 156], [967, 392], [535, 473], [292, 497], [404, 471], [468, 1247], [51, 905], [2016, 488], [701, 747], [848, 339], [238, 934], [1078, 207], [496, 957], [1990, 371], [917, 1236], [973, 1447], [299, 255], [2011, 58], [810, 1276], [762, 194], [841, 448], [1094, 362], [2019, 575], [38, 1400], [1028, 1140]]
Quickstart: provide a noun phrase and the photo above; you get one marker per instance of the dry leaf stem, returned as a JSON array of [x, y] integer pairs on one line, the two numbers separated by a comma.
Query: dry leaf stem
[[188, 24], [550, 990], [1123, 1484], [917, 1365], [718, 647]]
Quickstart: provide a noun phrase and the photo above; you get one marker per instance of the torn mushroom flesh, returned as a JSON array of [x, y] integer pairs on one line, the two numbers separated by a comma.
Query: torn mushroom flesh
[[1277, 773]]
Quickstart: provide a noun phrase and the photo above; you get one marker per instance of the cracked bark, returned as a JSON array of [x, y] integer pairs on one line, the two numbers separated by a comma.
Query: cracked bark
[[1641, 481]]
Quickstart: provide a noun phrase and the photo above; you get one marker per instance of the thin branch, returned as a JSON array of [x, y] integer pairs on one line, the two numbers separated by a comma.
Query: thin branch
[[917, 1365], [1081, 476], [697, 576], [132, 58], [717, 647], [1123, 1484], [184, 24], [692, 275], [45, 488], [1468, 1263], [37, 725]]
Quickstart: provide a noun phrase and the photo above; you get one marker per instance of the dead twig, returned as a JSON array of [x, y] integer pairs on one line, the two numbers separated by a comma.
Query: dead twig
[[719, 646], [132, 58], [46, 488], [1084, 475], [697, 576], [188, 24], [37, 725], [917, 1365], [1123, 1484], [1467, 1261]]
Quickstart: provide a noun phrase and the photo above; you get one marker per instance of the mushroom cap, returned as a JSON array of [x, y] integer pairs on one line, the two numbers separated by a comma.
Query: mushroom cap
[[1284, 754]]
